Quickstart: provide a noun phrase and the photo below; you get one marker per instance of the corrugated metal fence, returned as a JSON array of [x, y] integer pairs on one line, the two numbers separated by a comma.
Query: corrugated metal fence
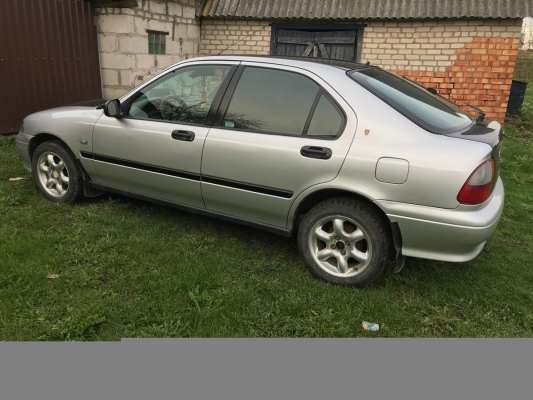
[[48, 57]]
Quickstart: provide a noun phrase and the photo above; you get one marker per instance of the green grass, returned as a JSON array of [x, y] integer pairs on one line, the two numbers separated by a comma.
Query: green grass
[[524, 66], [525, 55], [132, 269]]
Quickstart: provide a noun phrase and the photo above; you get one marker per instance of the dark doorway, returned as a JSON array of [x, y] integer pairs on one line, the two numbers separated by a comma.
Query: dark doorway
[[335, 41], [48, 57]]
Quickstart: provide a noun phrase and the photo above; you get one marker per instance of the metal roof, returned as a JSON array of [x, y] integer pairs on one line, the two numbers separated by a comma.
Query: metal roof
[[367, 9]]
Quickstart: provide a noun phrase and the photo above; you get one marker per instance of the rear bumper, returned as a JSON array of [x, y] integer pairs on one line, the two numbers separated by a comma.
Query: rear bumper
[[456, 235], [22, 144]]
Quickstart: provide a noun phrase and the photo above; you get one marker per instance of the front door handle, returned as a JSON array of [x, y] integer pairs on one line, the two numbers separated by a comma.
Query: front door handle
[[186, 136], [322, 153]]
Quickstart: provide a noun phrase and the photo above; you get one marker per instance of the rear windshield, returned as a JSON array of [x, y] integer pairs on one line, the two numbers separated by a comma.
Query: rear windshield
[[430, 111]]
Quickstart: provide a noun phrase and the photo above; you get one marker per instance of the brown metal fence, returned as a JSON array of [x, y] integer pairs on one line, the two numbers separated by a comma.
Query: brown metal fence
[[48, 57]]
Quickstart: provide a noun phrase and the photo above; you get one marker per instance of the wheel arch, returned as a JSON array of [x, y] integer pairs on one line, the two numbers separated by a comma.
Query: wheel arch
[[41, 138], [312, 199]]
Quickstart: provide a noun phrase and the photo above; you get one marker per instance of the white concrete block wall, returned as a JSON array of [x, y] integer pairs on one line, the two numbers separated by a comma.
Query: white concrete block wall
[[235, 37], [427, 45], [412, 46], [123, 41]]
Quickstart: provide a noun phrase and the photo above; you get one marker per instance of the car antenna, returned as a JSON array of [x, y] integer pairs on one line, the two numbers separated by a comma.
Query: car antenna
[[246, 37], [481, 115]]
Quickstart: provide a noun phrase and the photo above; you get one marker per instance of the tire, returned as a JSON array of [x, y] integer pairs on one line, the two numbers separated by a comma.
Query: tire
[[362, 234], [53, 164]]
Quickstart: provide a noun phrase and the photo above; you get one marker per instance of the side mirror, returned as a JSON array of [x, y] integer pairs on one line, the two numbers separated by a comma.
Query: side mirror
[[112, 108]]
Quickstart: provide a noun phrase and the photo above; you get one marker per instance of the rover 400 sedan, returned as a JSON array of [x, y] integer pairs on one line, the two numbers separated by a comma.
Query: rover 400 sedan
[[361, 165]]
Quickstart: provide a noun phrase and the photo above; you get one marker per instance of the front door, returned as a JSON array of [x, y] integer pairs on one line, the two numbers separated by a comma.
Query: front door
[[282, 132], [156, 148]]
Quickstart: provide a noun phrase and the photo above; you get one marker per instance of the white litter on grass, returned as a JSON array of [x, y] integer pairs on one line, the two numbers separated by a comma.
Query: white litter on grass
[[16, 179], [52, 276], [369, 326]]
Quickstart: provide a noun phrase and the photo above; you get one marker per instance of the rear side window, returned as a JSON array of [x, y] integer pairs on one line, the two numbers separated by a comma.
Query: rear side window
[[430, 111], [327, 120], [271, 101]]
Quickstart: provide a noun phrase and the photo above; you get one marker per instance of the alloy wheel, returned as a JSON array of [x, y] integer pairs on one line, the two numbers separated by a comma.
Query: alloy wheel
[[53, 174], [340, 246]]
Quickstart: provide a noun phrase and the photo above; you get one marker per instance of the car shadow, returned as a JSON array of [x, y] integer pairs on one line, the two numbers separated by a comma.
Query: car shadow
[[416, 274], [213, 222]]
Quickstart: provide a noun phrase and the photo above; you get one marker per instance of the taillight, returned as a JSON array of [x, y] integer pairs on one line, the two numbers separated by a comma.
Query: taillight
[[479, 185]]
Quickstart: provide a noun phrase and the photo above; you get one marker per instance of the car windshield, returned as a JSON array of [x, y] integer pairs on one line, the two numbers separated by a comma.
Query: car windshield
[[432, 112]]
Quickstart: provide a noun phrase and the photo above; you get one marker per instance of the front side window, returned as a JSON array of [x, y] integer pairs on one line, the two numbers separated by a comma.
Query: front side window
[[430, 111], [271, 101], [184, 95]]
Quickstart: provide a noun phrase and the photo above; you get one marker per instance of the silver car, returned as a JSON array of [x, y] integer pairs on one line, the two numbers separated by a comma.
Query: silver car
[[362, 165]]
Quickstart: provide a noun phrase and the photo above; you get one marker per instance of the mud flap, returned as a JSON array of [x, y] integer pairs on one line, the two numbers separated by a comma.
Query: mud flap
[[397, 238], [88, 190]]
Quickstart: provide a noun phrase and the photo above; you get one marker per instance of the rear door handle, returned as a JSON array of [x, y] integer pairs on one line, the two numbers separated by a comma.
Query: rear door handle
[[322, 153], [186, 136]]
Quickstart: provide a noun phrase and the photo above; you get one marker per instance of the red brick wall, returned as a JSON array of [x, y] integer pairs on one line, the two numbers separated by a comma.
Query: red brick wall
[[481, 76]]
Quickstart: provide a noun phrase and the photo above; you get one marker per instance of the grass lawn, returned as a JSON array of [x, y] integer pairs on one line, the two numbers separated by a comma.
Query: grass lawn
[[132, 269], [524, 66]]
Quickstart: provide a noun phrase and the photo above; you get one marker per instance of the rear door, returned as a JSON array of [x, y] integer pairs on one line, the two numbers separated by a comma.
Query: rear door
[[279, 130]]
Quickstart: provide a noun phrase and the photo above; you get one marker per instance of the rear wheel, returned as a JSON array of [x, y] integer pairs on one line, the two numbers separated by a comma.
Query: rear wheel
[[56, 172], [344, 242]]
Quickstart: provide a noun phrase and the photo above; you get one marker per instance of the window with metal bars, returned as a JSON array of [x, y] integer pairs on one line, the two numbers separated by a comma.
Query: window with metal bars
[[157, 42]]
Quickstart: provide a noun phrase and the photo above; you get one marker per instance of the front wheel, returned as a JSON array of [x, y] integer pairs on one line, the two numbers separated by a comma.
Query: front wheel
[[57, 173], [344, 242]]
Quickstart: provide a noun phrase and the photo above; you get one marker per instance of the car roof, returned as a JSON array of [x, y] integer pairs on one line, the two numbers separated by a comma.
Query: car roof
[[304, 62]]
